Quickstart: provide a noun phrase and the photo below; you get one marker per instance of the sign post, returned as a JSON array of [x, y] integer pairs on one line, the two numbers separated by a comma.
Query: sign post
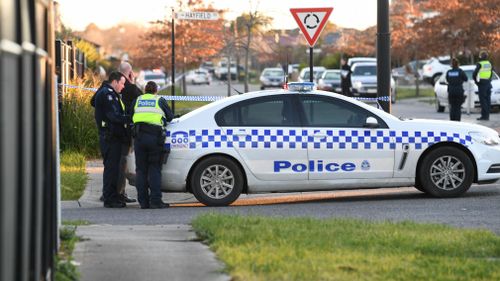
[[311, 22], [186, 15]]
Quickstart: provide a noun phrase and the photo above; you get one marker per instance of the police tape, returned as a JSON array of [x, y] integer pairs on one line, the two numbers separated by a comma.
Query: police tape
[[214, 98]]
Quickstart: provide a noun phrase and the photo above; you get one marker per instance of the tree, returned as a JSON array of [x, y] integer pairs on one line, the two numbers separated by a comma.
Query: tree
[[247, 24], [196, 40], [455, 26]]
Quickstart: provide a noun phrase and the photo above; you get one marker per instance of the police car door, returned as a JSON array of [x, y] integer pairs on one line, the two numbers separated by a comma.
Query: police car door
[[266, 134], [339, 144]]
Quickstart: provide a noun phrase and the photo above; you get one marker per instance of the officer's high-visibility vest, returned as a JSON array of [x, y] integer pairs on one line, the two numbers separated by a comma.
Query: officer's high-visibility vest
[[485, 70], [147, 110]]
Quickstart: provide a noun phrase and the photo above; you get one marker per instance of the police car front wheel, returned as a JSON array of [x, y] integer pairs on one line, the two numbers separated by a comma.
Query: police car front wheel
[[217, 181], [446, 172]]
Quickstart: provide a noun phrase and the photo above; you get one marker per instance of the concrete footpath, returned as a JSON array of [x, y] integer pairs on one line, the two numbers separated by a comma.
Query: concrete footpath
[[140, 252]]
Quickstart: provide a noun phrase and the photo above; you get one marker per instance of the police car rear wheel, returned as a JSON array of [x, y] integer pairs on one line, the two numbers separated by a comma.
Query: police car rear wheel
[[217, 181], [446, 172]]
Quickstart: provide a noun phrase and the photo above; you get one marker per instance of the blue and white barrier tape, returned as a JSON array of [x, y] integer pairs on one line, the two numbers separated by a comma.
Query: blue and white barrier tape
[[214, 98], [192, 98]]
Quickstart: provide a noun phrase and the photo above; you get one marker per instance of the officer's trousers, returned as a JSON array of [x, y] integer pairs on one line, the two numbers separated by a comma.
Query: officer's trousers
[[148, 162], [455, 108], [111, 153], [484, 89]]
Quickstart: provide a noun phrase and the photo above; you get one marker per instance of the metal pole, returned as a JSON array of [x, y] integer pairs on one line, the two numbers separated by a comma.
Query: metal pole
[[310, 64], [173, 61], [383, 55]]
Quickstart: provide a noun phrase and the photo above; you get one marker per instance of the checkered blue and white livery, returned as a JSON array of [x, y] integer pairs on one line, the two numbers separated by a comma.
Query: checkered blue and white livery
[[304, 139]]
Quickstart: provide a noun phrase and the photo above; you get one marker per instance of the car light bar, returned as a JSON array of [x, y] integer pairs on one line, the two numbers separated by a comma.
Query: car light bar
[[301, 86]]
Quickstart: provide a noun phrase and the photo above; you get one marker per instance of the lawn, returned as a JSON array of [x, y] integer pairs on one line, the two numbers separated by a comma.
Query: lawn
[[73, 176], [408, 93], [258, 248]]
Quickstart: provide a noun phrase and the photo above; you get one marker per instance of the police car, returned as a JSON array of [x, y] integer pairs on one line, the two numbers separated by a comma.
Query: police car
[[302, 139]]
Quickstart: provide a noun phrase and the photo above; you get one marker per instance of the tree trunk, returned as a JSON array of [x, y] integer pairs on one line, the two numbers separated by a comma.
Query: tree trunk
[[247, 54]]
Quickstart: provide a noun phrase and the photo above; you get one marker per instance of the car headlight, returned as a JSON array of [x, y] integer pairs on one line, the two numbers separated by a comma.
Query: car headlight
[[484, 138], [357, 85]]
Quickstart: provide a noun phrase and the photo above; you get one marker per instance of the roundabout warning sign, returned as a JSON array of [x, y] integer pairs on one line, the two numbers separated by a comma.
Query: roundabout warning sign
[[311, 21]]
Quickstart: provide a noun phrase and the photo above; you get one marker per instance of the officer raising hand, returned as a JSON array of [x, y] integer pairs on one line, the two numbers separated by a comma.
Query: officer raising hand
[[111, 124], [150, 115]]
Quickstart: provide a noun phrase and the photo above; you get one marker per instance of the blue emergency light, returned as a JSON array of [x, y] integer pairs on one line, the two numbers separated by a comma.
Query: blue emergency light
[[301, 86]]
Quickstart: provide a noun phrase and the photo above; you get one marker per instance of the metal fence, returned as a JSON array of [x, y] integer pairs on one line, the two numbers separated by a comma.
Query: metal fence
[[28, 177]]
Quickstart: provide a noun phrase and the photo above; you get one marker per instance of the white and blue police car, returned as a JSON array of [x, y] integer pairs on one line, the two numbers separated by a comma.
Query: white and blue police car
[[301, 139]]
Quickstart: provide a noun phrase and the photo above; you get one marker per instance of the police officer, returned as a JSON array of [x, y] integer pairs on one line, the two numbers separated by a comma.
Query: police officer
[[482, 77], [345, 78], [129, 94], [455, 78], [150, 116], [111, 124]]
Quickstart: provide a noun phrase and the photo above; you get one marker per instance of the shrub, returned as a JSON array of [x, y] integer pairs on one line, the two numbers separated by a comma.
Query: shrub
[[78, 129]]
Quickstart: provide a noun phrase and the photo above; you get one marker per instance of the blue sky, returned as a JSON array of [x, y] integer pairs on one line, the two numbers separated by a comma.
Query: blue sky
[[358, 14]]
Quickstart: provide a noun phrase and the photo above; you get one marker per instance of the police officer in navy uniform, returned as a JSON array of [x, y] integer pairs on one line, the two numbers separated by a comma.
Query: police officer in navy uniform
[[111, 122], [150, 116], [482, 77], [129, 94], [345, 78], [455, 78]]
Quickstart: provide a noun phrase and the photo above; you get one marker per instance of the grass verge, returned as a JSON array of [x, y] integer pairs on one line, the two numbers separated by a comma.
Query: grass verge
[[66, 270], [409, 93], [73, 176], [258, 248]]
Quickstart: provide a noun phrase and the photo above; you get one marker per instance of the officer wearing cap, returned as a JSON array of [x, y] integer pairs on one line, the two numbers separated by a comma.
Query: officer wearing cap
[[482, 77], [150, 116], [111, 124], [455, 78]]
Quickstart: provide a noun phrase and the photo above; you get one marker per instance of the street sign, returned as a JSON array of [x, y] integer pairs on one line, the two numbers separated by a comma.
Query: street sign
[[188, 15], [311, 21]]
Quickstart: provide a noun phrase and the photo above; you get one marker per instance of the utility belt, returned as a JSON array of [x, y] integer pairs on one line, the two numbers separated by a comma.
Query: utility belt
[[155, 130], [148, 128]]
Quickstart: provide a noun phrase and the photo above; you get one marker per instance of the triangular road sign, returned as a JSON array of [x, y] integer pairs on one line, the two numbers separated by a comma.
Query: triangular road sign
[[311, 21]]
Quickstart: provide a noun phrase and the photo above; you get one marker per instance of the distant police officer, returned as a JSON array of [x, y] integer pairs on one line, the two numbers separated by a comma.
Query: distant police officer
[[111, 123], [150, 116], [482, 77], [345, 78], [455, 78]]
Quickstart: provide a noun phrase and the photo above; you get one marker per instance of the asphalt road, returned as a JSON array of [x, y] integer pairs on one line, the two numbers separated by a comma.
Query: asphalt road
[[478, 208]]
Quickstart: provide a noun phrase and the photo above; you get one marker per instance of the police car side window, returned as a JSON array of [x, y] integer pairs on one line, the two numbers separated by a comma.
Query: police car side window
[[331, 112], [273, 111]]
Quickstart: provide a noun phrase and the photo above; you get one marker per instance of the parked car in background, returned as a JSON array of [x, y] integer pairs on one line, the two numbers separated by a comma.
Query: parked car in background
[[272, 77], [409, 71], [354, 60], [221, 70], [441, 90], [364, 80], [198, 76], [156, 76], [208, 65], [317, 71], [433, 69], [330, 81]]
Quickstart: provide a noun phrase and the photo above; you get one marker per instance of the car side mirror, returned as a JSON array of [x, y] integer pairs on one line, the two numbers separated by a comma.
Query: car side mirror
[[371, 122]]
